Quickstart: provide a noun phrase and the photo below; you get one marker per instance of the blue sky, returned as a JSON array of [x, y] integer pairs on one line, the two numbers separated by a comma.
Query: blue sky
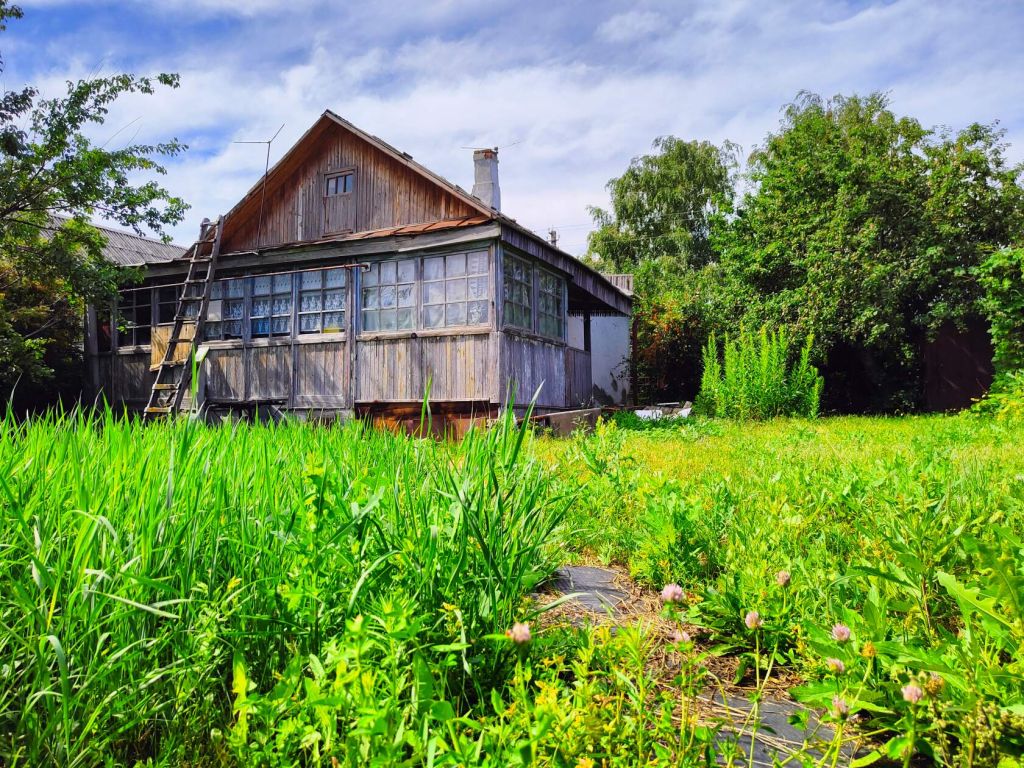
[[570, 90]]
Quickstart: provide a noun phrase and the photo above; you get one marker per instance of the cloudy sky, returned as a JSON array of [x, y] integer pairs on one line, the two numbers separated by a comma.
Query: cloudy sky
[[569, 90]]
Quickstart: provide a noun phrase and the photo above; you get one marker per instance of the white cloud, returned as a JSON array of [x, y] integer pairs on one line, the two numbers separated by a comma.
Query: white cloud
[[630, 27], [432, 78]]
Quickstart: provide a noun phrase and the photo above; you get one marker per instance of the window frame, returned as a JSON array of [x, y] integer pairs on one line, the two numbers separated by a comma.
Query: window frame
[[529, 284], [559, 296], [446, 300], [333, 176], [271, 316], [378, 284], [118, 335], [321, 292]]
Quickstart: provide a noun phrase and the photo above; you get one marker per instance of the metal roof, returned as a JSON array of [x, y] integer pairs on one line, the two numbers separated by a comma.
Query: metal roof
[[128, 249]]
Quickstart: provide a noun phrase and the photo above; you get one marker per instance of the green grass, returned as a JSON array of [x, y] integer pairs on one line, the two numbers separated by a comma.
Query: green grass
[[906, 530], [175, 594], [145, 570]]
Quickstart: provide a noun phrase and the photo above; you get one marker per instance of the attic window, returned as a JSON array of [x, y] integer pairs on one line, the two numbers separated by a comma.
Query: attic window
[[340, 183]]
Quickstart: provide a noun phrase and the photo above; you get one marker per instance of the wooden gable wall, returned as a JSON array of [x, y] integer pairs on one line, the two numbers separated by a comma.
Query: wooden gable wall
[[387, 193]]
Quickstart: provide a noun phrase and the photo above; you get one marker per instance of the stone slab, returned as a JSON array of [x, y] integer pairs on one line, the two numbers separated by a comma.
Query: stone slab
[[595, 587]]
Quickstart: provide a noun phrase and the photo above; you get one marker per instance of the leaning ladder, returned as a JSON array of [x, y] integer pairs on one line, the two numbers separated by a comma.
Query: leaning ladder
[[174, 371]]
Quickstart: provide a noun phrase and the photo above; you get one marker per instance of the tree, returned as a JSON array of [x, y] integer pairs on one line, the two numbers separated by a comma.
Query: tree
[[866, 229], [53, 180], [663, 206]]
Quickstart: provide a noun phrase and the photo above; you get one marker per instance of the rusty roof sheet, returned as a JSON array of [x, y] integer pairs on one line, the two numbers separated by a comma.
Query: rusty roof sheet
[[404, 229]]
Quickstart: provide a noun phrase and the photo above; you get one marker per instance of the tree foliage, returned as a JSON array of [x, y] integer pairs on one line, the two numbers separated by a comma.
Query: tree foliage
[[1002, 278], [865, 229], [54, 178], [664, 205], [859, 227]]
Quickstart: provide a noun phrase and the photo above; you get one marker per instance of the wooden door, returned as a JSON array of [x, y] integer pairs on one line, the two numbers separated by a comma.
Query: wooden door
[[338, 189]]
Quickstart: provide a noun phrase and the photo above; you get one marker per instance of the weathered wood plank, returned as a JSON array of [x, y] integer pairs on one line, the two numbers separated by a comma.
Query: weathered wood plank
[[578, 378], [528, 364], [387, 193], [225, 374], [269, 373], [319, 375]]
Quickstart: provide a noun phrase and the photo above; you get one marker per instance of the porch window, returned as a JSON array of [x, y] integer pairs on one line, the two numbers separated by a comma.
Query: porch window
[[270, 313], [135, 317], [322, 301], [389, 296], [550, 304], [226, 310], [455, 290], [518, 274]]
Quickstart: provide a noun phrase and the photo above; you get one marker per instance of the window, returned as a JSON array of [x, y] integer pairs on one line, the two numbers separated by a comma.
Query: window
[[550, 304], [389, 296], [518, 274], [270, 313], [340, 183], [135, 316], [455, 290], [226, 311], [322, 301]]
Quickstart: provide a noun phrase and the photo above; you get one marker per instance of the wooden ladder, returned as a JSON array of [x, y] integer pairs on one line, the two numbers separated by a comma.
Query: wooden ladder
[[174, 372]]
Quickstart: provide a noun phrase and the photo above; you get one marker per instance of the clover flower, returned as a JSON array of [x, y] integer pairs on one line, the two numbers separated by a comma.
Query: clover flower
[[869, 651], [753, 620], [681, 636], [840, 633], [672, 593], [840, 708], [912, 693], [836, 665], [519, 634], [782, 578]]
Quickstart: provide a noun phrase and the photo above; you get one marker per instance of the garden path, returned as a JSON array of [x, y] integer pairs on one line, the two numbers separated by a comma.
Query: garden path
[[767, 730]]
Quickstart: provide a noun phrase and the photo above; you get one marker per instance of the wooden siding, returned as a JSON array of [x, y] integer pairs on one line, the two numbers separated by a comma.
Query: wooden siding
[[268, 372], [296, 375], [578, 378], [458, 367], [320, 375], [125, 377], [526, 363], [387, 194], [225, 374]]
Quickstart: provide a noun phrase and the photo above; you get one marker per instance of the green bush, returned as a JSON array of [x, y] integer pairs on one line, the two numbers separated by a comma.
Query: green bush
[[1002, 278], [755, 378]]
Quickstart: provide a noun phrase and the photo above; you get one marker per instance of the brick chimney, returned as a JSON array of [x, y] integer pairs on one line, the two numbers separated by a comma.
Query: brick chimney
[[485, 177]]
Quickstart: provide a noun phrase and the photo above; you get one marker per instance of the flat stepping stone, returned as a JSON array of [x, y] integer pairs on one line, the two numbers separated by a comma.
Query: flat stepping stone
[[594, 587]]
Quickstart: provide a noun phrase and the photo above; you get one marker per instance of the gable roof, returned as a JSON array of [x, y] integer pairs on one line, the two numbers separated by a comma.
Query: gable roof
[[483, 213]]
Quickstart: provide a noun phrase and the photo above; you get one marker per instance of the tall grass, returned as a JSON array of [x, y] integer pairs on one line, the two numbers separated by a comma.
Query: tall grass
[[756, 377], [142, 566]]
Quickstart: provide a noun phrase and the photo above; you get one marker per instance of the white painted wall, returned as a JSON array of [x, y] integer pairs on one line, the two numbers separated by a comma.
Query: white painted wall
[[609, 355]]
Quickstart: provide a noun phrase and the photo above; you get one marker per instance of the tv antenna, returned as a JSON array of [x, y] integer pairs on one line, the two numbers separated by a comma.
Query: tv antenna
[[505, 146], [263, 191]]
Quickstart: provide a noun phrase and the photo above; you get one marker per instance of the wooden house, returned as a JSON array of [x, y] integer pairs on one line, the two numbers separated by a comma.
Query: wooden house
[[353, 279]]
